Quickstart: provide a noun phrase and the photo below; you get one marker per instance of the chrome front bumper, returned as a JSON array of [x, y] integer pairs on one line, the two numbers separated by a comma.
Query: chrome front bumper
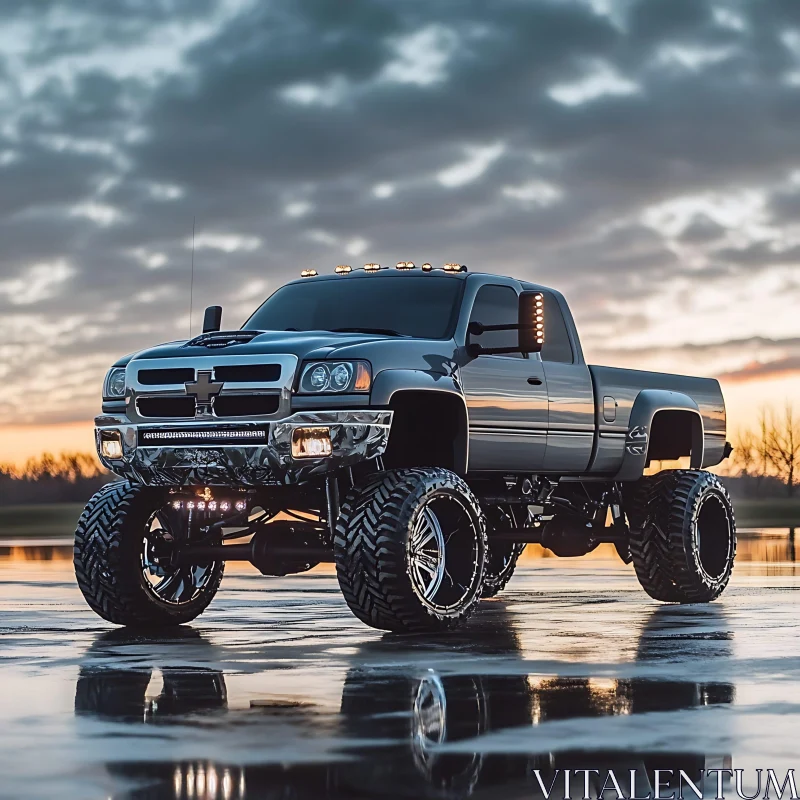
[[252, 453]]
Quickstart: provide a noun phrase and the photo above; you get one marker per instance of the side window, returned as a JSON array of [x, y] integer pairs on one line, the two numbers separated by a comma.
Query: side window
[[496, 305], [556, 339]]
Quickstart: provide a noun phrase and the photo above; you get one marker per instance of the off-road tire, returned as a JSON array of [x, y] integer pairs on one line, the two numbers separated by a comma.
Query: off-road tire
[[665, 536], [495, 580], [501, 559], [106, 556], [371, 549], [647, 546]]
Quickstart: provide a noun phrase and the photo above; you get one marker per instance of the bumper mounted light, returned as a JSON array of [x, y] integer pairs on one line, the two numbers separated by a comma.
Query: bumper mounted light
[[311, 442]]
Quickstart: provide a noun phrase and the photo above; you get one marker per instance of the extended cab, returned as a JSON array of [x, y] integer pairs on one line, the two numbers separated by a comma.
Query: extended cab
[[416, 426]]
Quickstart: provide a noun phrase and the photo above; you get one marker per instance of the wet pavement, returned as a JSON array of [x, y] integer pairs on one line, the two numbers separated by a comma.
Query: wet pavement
[[278, 692]]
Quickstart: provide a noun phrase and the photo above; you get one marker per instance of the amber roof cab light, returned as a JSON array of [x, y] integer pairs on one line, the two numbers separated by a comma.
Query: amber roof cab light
[[403, 266]]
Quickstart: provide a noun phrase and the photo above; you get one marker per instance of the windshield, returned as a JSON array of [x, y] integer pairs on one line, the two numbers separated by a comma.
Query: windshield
[[422, 306]]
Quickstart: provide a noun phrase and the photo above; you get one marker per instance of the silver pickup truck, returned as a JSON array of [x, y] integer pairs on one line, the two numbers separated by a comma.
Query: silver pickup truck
[[415, 426]]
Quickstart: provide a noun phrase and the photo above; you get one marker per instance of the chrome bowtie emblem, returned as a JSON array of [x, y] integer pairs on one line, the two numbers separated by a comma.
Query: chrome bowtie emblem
[[203, 388]]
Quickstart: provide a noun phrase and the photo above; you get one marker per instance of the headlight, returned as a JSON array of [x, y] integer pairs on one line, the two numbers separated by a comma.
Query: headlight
[[335, 377], [114, 384]]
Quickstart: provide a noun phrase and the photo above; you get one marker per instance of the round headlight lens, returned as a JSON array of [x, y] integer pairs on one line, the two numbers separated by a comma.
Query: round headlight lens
[[340, 377], [116, 383], [319, 378]]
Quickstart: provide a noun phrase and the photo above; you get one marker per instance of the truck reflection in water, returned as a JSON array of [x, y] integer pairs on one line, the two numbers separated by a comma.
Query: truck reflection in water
[[410, 733]]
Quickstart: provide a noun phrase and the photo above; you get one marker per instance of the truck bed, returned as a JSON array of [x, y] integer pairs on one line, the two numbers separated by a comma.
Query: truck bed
[[613, 416]]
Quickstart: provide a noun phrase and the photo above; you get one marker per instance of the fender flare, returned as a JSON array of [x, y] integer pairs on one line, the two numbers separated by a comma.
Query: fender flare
[[390, 382], [637, 440]]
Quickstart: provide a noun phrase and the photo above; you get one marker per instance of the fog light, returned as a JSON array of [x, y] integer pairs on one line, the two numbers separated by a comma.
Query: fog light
[[311, 443], [111, 444]]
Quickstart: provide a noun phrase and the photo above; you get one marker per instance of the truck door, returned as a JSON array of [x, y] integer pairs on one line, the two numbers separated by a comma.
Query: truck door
[[570, 423], [506, 395]]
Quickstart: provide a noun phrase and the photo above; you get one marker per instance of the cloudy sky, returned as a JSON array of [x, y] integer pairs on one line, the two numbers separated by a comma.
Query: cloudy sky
[[642, 157]]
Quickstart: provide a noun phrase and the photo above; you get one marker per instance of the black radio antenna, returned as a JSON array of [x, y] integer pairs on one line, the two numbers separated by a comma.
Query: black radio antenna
[[191, 282]]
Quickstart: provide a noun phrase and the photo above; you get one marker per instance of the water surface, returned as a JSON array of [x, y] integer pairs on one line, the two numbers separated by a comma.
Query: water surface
[[277, 691]]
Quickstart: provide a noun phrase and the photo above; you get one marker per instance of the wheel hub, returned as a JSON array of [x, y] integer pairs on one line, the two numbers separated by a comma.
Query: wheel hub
[[169, 583]]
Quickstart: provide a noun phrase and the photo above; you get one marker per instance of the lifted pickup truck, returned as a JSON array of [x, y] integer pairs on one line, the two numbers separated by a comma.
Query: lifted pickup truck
[[415, 426]]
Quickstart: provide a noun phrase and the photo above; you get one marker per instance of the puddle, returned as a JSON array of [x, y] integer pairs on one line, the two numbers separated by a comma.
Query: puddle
[[396, 735], [278, 692]]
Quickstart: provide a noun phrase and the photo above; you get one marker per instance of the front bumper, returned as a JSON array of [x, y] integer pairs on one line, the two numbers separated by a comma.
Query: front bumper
[[252, 453]]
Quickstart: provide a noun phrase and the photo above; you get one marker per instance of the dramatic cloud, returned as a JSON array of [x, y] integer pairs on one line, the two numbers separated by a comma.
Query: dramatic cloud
[[643, 157]]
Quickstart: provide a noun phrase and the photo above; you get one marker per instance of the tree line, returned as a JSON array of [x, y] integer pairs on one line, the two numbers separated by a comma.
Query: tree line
[[765, 462], [66, 478], [767, 456]]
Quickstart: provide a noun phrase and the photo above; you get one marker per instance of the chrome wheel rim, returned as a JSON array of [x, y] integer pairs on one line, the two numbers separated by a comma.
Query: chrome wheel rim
[[175, 585], [430, 720], [427, 554], [444, 554]]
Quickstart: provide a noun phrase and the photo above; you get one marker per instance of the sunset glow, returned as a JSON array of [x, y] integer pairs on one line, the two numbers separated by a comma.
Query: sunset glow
[[641, 158]]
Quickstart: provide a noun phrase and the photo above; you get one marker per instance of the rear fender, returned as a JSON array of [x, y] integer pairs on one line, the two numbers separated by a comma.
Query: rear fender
[[637, 441]]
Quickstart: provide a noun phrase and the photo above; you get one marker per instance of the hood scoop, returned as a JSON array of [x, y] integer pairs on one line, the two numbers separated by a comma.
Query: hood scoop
[[218, 339]]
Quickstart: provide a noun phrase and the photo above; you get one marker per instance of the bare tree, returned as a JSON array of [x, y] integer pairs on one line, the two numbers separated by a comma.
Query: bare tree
[[782, 444], [746, 455]]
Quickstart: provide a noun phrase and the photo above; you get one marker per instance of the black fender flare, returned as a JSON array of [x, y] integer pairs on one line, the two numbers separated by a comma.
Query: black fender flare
[[637, 440], [390, 382]]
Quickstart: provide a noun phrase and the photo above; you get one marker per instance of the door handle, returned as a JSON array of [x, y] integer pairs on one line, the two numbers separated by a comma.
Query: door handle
[[535, 381]]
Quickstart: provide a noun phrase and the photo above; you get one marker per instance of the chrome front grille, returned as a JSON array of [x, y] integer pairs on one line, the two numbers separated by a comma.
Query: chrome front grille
[[252, 386]]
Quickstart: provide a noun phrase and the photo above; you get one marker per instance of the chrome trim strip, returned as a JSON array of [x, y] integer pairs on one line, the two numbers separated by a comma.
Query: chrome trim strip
[[483, 430], [507, 431]]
